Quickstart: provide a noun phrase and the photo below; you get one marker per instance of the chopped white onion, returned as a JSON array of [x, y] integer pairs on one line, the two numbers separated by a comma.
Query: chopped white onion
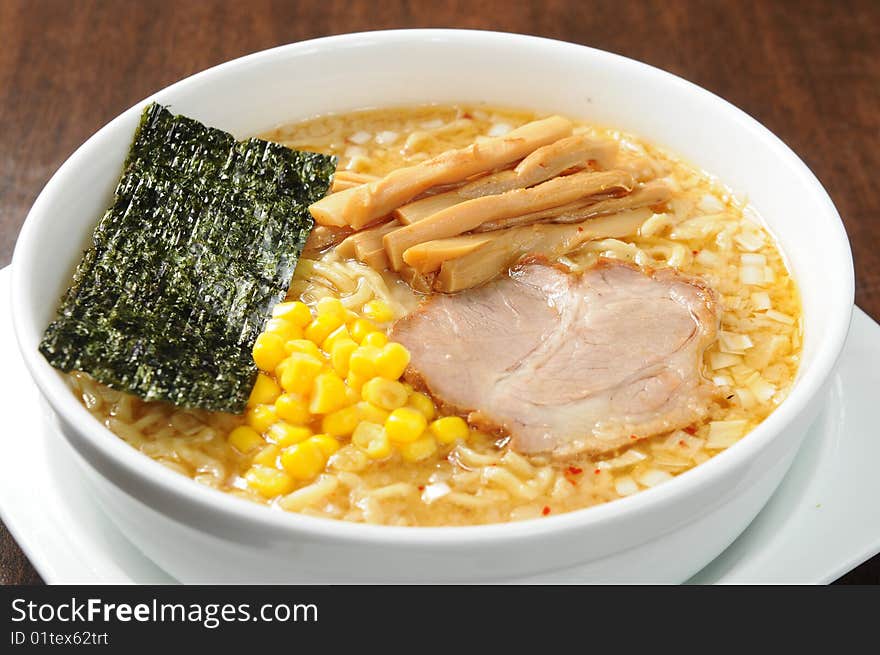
[[751, 274], [722, 381], [779, 316], [499, 129], [434, 491], [625, 486], [761, 300], [763, 390], [746, 398], [360, 138], [653, 477], [749, 241], [355, 151], [769, 275], [386, 137], [432, 124], [630, 457], [731, 342], [725, 433], [722, 360], [753, 259], [708, 258]]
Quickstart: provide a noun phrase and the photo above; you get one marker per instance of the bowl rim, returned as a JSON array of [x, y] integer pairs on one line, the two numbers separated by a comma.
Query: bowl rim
[[160, 479]]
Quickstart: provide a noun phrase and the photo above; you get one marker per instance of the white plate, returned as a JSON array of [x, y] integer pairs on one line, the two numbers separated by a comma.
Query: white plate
[[823, 520]]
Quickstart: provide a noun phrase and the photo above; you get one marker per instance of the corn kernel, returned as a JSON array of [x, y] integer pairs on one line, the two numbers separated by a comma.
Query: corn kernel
[[245, 439], [419, 449], [299, 372], [297, 313], [369, 412], [284, 434], [378, 310], [372, 439], [261, 417], [321, 327], [339, 334], [303, 346], [326, 443], [328, 394], [392, 361], [265, 391], [331, 307], [303, 460], [352, 396], [380, 448], [341, 355], [363, 361], [361, 328], [342, 422], [268, 351], [375, 339], [269, 482], [267, 456], [286, 330], [293, 407], [422, 403], [408, 387], [355, 381], [449, 429], [387, 394], [405, 425]]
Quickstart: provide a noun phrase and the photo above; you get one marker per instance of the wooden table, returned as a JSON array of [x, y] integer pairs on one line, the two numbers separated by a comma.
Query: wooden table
[[810, 71]]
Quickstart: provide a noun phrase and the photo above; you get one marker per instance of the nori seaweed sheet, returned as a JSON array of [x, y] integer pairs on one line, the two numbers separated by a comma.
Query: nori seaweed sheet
[[200, 243]]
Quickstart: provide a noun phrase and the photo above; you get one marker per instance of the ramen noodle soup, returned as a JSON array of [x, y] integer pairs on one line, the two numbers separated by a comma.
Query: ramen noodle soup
[[387, 445]]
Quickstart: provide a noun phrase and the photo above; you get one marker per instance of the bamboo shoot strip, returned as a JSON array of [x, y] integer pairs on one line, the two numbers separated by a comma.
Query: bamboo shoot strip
[[348, 180], [549, 240], [347, 248], [653, 193], [469, 215], [201, 240], [543, 164], [364, 204]]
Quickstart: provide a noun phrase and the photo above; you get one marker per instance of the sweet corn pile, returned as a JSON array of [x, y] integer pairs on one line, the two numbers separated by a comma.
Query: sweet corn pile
[[326, 379]]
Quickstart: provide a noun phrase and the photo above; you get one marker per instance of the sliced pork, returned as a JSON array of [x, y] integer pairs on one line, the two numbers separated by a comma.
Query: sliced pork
[[566, 363]]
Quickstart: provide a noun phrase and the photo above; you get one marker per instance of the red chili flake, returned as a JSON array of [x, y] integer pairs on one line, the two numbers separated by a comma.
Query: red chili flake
[[546, 510], [421, 487], [633, 437], [580, 229], [695, 252], [572, 482], [682, 443], [575, 470], [691, 429], [597, 471]]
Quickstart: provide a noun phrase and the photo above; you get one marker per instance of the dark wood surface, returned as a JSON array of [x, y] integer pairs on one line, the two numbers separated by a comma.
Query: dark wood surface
[[808, 70]]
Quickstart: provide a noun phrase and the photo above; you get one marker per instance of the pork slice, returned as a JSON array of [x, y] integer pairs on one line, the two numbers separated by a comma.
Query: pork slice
[[467, 343], [567, 363]]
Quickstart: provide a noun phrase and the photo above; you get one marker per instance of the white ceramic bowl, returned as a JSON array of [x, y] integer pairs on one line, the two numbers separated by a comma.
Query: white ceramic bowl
[[664, 534]]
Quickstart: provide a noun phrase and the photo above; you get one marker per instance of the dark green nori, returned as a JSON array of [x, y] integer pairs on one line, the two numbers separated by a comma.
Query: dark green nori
[[201, 240]]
